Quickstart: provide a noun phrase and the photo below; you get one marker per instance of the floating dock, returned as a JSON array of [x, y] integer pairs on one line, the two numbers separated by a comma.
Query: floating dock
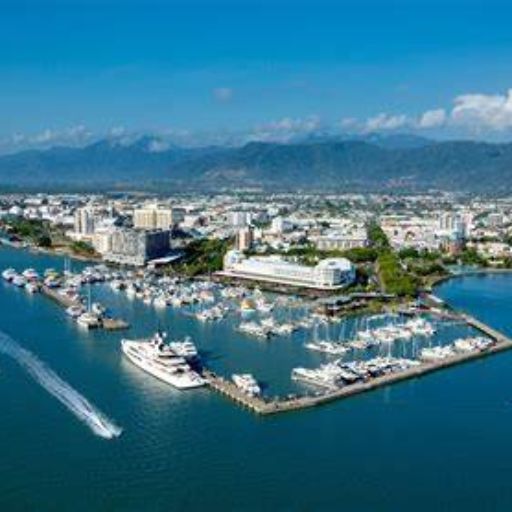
[[265, 407]]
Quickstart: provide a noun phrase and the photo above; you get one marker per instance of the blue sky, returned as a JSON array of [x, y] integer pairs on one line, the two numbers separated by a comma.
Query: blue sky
[[73, 70]]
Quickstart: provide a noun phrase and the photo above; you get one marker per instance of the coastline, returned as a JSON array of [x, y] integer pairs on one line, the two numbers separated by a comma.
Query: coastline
[[441, 279], [50, 251]]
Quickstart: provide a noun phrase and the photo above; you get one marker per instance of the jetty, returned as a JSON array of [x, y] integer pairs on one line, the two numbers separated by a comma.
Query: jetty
[[262, 406], [107, 323]]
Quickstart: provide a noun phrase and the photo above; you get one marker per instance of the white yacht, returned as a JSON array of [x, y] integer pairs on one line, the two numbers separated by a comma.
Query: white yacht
[[328, 347], [185, 349], [30, 274], [89, 320], [254, 329], [19, 281], [32, 287], [155, 357], [247, 383], [9, 274], [75, 311]]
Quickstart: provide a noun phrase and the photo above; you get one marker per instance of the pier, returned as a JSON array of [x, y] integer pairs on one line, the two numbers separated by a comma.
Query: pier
[[264, 407], [109, 324]]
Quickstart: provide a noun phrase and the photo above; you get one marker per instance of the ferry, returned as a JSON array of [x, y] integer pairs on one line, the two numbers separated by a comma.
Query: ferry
[[155, 357]]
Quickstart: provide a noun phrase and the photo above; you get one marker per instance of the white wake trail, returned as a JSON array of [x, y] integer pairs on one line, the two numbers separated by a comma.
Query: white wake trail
[[100, 424]]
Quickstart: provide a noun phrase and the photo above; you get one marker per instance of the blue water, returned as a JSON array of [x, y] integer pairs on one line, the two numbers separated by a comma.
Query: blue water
[[438, 443]]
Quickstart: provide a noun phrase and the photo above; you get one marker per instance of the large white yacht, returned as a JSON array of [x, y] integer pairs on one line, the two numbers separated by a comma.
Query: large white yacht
[[156, 358]]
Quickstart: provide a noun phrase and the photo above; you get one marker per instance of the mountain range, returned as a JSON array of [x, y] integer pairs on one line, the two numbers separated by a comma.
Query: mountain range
[[373, 162]]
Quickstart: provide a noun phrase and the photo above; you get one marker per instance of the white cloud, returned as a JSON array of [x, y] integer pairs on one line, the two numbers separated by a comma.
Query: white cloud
[[483, 111], [158, 146], [285, 129], [223, 94], [44, 137], [117, 131], [349, 124], [432, 118], [385, 121]]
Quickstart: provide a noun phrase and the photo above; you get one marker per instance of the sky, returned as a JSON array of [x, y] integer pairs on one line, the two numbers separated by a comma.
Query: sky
[[201, 71]]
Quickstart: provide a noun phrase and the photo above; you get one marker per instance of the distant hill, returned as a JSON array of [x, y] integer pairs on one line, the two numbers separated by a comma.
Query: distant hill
[[328, 163]]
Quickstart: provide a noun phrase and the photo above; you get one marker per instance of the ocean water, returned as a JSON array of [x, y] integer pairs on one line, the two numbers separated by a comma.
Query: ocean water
[[438, 443]]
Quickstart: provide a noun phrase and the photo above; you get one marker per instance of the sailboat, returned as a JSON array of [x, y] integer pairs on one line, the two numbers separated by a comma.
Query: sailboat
[[89, 319]]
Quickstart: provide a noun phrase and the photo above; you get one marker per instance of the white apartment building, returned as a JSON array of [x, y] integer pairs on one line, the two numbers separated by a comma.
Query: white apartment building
[[339, 240], [239, 219], [244, 239], [153, 217], [84, 221]]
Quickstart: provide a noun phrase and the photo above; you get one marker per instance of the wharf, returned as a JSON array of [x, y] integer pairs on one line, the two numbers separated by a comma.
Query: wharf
[[227, 388], [109, 324], [264, 407]]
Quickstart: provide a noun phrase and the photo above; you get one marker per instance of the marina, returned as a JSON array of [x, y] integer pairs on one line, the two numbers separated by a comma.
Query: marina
[[350, 375]]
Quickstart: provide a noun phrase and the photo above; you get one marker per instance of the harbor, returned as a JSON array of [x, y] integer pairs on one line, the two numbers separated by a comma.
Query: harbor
[[366, 359]]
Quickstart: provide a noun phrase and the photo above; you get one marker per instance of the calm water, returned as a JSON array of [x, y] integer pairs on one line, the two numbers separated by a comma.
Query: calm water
[[442, 442]]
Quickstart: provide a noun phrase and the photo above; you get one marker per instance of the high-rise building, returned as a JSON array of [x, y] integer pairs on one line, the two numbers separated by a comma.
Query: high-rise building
[[152, 217], [84, 221], [137, 247], [240, 219], [244, 239]]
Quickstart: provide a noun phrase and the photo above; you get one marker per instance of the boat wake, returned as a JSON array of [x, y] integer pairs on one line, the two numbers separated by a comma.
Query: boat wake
[[61, 390]]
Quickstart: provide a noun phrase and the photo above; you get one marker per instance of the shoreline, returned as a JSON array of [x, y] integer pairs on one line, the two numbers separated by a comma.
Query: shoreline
[[477, 271], [52, 252]]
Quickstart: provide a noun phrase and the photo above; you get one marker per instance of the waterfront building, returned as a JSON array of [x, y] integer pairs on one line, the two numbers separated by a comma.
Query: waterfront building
[[137, 247], [328, 274], [102, 242]]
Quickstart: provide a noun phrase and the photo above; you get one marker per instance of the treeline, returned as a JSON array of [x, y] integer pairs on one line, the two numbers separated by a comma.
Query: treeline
[[203, 257], [394, 277], [34, 231]]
